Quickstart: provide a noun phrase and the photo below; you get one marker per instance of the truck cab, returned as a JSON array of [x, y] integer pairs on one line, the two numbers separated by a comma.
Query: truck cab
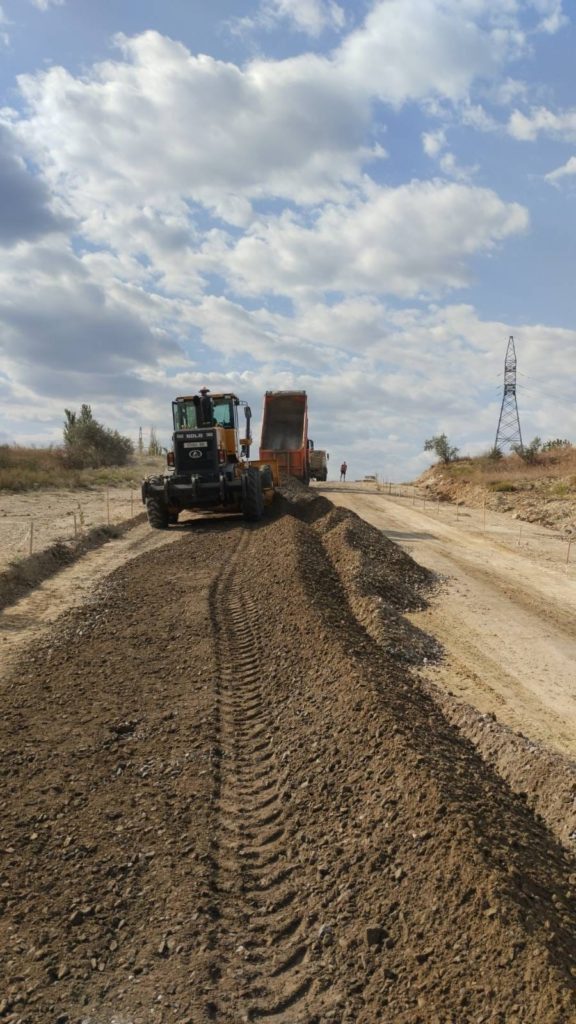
[[318, 461]]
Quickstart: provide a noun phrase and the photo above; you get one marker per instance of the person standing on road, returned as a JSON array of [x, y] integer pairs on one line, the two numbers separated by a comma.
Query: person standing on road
[[343, 469]]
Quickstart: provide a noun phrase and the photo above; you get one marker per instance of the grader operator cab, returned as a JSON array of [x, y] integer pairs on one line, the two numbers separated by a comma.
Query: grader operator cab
[[208, 462]]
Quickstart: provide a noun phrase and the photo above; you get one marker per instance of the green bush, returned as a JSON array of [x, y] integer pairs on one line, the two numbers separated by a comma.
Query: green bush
[[88, 444], [528, 453], [558, 442], [441, 447]]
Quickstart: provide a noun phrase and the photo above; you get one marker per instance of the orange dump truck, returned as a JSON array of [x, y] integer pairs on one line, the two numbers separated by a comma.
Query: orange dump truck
[[284, 437]]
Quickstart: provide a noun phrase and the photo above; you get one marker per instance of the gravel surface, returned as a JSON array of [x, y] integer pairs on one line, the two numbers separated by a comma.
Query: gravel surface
[[227, 798]]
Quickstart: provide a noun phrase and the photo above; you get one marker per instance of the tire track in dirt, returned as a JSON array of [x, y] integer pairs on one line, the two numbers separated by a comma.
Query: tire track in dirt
[[253, 874]]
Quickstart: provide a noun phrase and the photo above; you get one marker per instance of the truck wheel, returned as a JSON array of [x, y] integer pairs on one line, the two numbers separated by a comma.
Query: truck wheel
[[266, 476], [158, 516], [253, 504]]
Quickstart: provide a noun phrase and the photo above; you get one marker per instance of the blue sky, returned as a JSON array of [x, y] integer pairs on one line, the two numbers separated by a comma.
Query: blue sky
[[363, 200]]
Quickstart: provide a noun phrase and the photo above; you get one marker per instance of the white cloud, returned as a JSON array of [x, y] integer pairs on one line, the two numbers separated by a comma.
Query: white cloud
[[475, 116], [542, 121], [75, 334], [506, 92], [452, 169], [25, 203], [309, 16], [434, 145], [4, 36], [187, 174], [410, 49], [291, 128], [551, 15], [404, 241], [298, 128], [567, 170], [230, 329], [407, 372], [434, 142], [45, 5]]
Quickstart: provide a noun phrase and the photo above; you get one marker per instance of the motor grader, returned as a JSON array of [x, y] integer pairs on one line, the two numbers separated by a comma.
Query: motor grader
[[209, 464]]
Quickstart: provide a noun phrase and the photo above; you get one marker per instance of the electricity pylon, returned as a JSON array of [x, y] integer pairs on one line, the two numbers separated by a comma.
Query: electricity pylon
[[508, 432]]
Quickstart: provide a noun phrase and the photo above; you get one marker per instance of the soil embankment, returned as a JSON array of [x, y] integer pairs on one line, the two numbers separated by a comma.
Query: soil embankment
[[227, 798], [542, 493], [503, 619]]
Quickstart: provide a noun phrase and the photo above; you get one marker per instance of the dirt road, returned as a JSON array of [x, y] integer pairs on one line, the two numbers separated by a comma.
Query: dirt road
[[227, 798], [30, 619], [505, 615]]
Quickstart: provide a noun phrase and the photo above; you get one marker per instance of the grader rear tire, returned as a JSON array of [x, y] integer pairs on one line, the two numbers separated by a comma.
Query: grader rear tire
[[158, 515]]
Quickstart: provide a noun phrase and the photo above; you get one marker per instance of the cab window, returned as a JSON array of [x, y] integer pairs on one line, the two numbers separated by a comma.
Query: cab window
[[224, 414], [184, 414]]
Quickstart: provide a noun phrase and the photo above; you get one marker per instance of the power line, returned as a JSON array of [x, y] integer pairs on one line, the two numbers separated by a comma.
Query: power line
[[545, 390]]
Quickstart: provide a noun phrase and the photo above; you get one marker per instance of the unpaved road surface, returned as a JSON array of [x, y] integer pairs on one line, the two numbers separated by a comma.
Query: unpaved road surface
[[228, 798], [24, 622], [506, 615]]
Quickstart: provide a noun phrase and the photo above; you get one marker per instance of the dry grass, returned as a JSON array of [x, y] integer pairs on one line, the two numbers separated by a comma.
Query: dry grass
[[555, 470], [27, 469]]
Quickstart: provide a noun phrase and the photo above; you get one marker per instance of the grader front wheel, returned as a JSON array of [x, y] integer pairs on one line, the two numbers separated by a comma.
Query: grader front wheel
[[158, 515]]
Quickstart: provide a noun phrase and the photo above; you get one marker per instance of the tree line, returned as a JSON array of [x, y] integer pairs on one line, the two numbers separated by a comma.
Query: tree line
[[446, 453]]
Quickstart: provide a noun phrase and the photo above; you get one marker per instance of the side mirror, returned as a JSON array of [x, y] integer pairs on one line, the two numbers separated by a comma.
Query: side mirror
[[247, 441]]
